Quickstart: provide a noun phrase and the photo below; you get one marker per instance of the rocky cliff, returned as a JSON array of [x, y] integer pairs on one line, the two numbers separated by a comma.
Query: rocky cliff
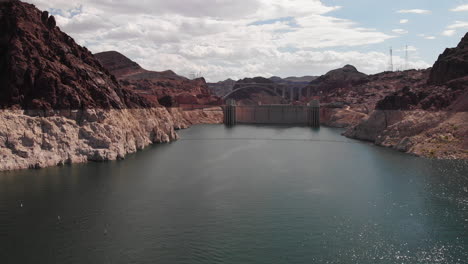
[[34, 141], [124, 68], [165, 87], [352, 104], [59, 105], [43, 68], [428, 117], [451, 64]]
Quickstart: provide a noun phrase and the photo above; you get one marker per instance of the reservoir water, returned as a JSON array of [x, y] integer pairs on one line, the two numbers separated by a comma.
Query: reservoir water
[[247, 194]]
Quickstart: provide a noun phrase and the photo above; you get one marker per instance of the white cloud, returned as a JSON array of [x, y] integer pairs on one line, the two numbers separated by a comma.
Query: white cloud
[[224, 38], [400, 31], [458, 24], [414, 11], [404, 21], [452, 29], [426, 36], [460, 8], [449, 32]]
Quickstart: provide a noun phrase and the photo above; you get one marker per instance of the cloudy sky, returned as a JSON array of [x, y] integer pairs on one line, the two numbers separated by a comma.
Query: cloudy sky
[[243, 38]]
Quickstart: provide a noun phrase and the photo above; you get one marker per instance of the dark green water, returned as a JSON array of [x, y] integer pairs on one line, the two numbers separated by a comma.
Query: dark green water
[[242, 195]]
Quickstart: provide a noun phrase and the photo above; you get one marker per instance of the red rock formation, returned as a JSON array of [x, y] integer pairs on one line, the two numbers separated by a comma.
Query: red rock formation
[[59, 105], [157, 86], [43, 68], [451, 64], [364, 95], [427, 118], [124, 68]]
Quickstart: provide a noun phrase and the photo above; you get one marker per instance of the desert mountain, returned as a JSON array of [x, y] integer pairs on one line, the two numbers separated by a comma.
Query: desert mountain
[[43, 68], [304, 80], [59, 105], [166, 87], [451, 64], [340, 78], [222, 88], [124, 68], [426, 117]]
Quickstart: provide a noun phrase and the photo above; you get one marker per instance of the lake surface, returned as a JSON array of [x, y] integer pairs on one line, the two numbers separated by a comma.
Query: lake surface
[[247, 194]]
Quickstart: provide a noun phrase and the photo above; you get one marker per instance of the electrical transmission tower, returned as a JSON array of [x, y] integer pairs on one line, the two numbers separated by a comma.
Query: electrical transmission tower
[[195, 75], [390, 66], [406, 58]]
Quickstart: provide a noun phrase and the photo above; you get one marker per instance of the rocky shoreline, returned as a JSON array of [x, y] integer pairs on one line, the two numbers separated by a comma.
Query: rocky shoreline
[[440, 135], [89, 135]]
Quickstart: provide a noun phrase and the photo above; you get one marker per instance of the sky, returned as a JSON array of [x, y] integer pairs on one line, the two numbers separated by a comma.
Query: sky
[[220, 39]]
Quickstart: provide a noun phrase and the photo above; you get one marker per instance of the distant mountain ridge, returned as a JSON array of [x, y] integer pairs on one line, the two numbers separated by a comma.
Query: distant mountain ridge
[[293, 79], [224, 87], [165, 87], [340, 78], [122, 67]]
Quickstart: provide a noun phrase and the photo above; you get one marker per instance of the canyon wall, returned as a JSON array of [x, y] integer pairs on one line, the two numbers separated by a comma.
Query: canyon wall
[[59, 105], [35, 141], [432, 134], [428, 117]]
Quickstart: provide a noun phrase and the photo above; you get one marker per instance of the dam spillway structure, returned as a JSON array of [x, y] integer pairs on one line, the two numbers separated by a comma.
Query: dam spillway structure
[[302, 115], [313, 113], [229, 110]]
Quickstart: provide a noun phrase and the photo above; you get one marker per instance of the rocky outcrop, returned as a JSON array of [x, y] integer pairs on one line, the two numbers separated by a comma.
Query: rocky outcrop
[[426, 118], [88, 135], [186, 118], [43, 68], [435, 134], [355, 103], [59, 105], [118, 64], [78, 136], [156, 86], [340, 117], [124, 68], [451, 64]]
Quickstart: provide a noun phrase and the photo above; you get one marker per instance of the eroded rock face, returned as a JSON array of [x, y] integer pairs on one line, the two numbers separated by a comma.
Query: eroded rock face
[[89, 135], [43, 68], [433, 134], [340, 117], [427, 117], [92, 135], [59, 105], [451, 64]]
